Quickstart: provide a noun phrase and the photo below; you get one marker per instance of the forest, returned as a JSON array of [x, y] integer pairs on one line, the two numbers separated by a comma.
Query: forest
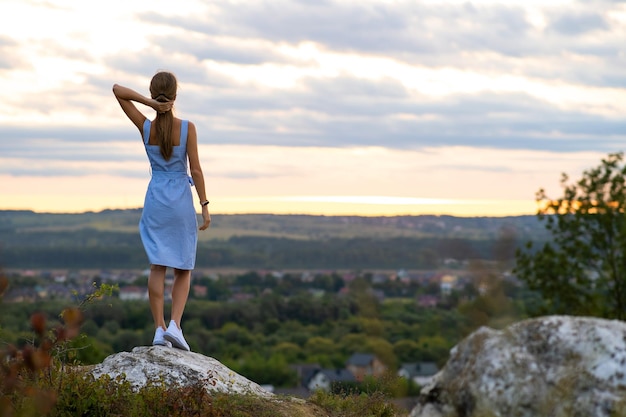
[[284, 323], [110, 240], [262, 336]]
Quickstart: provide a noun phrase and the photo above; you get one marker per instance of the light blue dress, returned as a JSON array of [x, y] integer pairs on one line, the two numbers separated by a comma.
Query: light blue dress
[[168, 225]]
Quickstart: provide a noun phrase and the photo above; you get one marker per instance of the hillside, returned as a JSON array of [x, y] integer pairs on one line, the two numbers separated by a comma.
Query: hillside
[[110, 239], [270, 225]]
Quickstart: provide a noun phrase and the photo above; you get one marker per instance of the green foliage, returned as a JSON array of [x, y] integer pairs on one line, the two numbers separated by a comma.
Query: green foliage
[[355, 405], [300, 329], [406, 350], [80, 394], [37, 381], [27, 372], [273, 370], [109, 239], [69, 392], [259, 338], [582, 270]]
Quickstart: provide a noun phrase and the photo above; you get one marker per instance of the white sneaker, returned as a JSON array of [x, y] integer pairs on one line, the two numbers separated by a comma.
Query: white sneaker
[[159, 340], [175, 336]]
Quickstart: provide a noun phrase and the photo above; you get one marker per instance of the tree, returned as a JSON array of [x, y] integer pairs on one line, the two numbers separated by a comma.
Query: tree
[[582, 270]]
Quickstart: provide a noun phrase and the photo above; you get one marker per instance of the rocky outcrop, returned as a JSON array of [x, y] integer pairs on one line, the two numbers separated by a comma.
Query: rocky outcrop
[[159, 364], [550, 366]]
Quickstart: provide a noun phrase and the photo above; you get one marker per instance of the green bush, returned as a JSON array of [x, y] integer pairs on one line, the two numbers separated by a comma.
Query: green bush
[[355, 405], [63, 391]]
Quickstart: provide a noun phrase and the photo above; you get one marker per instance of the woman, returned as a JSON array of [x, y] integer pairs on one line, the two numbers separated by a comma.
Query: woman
[[168, 225]]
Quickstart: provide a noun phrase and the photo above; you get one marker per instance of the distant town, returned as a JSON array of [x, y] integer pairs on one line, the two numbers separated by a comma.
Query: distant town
[[429, 288], [438, 291]]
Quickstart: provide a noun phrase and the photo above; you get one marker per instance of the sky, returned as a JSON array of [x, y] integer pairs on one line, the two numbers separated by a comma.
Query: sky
[[368, 107]]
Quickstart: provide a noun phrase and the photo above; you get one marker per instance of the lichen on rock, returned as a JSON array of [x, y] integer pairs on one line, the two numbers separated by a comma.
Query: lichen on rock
[[159, 364], [549, 366]]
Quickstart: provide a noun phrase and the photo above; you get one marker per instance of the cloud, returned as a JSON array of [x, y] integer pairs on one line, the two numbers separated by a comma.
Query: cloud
[[578, 23], [62, 172], [228, 49], [47, 140], [10, 57], [405, 75], [346, 113], [416, 30]]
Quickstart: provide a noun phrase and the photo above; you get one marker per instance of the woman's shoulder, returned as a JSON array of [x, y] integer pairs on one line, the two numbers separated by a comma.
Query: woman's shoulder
[[190, 125], [178, 120]]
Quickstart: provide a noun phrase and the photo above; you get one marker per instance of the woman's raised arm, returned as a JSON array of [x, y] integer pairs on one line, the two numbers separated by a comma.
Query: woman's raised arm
[[125, 97]]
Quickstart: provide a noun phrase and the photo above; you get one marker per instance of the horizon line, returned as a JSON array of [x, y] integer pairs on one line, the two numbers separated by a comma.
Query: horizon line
[[264, 213], [362, 206]]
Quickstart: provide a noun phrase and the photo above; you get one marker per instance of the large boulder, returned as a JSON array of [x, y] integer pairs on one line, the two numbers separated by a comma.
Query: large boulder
[[550, 366], [159, 364]]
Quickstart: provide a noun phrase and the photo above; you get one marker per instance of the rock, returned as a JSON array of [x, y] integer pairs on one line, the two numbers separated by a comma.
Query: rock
[[175, 367], [550, 366]]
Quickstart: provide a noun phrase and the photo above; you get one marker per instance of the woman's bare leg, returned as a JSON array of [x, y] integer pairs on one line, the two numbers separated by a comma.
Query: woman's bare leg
[[156, 290], [180, 293]]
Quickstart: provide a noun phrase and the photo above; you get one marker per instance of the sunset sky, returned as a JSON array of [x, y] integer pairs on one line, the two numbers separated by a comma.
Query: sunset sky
[[368, 107]]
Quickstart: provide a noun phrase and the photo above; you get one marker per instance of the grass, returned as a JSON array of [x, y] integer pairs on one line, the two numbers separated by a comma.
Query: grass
[[64, 392]]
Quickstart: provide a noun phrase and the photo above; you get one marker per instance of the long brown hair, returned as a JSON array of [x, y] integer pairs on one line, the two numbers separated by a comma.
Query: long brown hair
[[163, 88]]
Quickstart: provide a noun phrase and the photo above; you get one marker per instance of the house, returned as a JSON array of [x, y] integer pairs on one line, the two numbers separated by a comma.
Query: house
[[60, 278], [348, 277], [130, 293], [447, 284], [380, 278], [428, 301], [316, 292], [55, 291], [268, 387], [240, 296], [307, 276], [365, 364], [326, 379], [403, 276], [200, 291], [305, 372], [21, 295], [420, 372]]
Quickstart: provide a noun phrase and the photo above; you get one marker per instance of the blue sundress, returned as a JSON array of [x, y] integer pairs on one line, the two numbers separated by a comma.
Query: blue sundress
[[168, 225]]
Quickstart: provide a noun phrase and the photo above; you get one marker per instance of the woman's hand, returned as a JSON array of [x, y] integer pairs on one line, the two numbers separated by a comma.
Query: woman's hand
[[161, 106], [206, 217]]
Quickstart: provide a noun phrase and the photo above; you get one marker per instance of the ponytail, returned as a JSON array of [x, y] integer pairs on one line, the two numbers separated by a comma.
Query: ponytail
[[163, 88], [163, 124]]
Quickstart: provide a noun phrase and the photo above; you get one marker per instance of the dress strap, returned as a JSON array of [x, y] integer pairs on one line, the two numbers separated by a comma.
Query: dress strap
[[184, 128], [146, 131]]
